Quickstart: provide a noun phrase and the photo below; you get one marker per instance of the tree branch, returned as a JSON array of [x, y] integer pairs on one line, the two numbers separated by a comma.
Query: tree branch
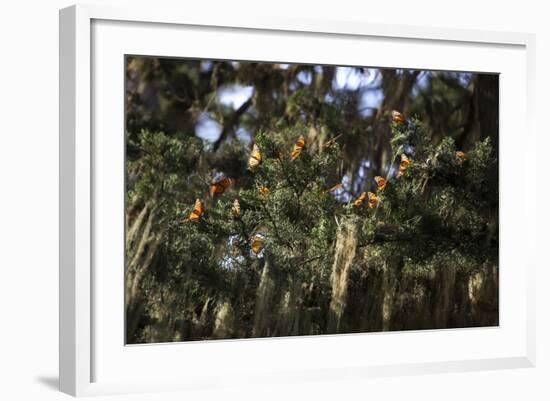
[[232, 123]]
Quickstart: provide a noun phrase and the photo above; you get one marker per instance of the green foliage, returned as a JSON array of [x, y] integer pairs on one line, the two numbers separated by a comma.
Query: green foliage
[[442, 205]]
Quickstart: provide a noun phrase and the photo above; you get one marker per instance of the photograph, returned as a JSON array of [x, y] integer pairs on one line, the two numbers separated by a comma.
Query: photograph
[[275, 199]]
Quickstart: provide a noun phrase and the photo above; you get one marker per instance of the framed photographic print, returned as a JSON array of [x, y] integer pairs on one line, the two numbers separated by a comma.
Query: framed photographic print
[[318, 200]]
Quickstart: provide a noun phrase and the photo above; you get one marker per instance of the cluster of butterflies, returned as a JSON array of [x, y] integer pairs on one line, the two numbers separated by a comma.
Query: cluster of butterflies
[[372, 199], [256, 155], [218, 187], [257, 241], [398, 118]]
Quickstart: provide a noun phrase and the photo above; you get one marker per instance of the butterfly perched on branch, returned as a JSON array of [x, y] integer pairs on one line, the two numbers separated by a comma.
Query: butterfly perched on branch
[[219, 187], [380, 182], [460, 157], [373, 200], [403, 165], [255, 158], [397, 117], [359, 201], [257, 243], [298, 146], [196, 213]]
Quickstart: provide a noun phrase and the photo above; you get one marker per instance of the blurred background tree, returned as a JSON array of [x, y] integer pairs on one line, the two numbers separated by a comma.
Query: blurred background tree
[[299, 258]]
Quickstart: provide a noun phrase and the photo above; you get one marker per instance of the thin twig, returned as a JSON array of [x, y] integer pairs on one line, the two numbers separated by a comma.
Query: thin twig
[[393, 156], [277, 234], [287, 177], [309, 260], [232, 122]]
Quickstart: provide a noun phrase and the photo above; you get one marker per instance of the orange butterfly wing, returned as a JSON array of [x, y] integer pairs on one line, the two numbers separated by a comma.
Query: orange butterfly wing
[[255, 158], [403, 165], [197, 211], [298, 146], [460, 157], [219, 187], [257, 244], [360, 200], [397, 117], [380, 182], [373, 200]]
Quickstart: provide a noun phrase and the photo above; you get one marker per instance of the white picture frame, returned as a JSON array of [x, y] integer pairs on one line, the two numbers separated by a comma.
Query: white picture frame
[[80, 342]]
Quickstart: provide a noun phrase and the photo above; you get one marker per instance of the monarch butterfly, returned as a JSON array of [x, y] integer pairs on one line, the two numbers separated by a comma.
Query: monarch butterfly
[[298, 146], [403, 165], [359, 201], [255, 158], [380, 182], [196, 213], [334, 188], [460, 157], [264, 191], [257, 243], [373, 200], [219, 187], [236, 209], [397, 117]]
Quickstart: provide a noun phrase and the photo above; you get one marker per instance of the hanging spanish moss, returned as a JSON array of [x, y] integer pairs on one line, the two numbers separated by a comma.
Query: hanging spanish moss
[[344, 252], [223, 325]]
